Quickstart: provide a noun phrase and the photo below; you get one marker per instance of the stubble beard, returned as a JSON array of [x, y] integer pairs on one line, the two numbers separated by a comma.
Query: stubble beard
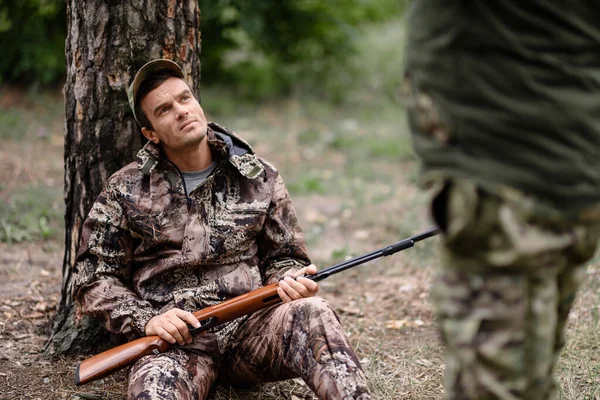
[[195, 137]]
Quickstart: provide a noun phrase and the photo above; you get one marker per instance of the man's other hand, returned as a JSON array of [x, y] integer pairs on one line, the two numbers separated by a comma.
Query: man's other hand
[[172, 326], [292, 289]]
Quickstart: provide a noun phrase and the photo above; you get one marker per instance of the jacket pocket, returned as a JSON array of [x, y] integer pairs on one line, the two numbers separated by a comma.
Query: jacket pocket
[[235, 230]]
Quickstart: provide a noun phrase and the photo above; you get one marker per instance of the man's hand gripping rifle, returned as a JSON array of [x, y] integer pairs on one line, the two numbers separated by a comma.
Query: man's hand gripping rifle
[[112, 360]]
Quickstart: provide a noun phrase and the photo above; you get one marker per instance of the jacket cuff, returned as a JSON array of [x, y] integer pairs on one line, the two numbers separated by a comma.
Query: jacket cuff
[[280, 269], [141, 318]]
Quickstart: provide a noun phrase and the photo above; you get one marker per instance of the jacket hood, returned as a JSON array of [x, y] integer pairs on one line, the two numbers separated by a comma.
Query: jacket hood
[[222, 141]]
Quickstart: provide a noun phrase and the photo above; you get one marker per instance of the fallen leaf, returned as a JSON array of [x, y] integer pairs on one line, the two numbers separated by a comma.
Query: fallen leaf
[[41, 306], [315, 217], [396, 324], [405, 288], [90, 396], [426, 363], [350, 310], [34, 315], [299, 381], [401, 323], [22, 336], [361, 234]]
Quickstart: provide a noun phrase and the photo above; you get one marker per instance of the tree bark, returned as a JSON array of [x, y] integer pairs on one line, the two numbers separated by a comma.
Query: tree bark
[[107, 42]]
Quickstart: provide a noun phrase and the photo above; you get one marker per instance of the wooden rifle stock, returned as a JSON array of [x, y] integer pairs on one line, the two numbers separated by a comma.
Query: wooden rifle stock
[[112, 360]]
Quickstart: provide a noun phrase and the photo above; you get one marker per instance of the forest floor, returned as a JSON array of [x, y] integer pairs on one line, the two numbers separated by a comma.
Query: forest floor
[[351, 175]]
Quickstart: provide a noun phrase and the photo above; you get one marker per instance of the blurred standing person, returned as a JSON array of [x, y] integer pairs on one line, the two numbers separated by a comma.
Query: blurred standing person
[[504, 109]]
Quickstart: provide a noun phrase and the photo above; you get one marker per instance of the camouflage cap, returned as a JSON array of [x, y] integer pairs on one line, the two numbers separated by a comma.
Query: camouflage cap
[[147, 70]]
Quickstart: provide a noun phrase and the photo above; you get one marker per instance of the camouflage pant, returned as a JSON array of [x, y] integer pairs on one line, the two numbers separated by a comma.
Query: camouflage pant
[[503, 297], [299, 339]]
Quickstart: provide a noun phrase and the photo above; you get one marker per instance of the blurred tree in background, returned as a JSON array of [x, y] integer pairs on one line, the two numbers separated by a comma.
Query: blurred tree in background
[[258, 48], [268, 47]]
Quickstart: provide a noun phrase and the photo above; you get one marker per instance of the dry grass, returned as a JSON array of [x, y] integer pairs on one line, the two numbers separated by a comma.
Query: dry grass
[[579, 365]]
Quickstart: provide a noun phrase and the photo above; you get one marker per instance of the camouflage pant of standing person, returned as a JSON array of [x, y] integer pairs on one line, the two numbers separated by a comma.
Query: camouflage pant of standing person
[[509, 279], [302, 338]]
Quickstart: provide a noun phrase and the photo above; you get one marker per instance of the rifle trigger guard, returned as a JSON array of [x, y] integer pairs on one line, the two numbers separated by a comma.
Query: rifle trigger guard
[[205, 325]]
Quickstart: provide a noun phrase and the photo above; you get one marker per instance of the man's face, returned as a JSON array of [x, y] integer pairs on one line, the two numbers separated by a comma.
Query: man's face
[[176, 116]]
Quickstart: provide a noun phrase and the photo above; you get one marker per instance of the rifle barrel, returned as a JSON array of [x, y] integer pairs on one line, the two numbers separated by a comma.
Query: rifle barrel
[[385, 251]]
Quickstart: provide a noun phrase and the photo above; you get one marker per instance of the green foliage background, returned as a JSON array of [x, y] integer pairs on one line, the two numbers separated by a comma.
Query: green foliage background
[[260, 48], [274, 47], [32, 39]]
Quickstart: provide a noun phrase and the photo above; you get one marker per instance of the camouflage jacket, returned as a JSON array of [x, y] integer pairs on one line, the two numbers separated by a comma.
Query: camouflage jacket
[[505, 94], [147, 247]]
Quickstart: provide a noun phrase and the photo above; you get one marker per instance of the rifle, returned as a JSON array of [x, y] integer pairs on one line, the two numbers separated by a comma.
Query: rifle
[[112, 360]]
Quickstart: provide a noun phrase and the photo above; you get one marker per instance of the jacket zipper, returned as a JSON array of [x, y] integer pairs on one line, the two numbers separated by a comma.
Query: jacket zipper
[[188, 199]]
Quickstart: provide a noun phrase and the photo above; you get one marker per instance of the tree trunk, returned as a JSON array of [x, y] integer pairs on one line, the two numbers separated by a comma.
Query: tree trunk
[[107, 42]]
